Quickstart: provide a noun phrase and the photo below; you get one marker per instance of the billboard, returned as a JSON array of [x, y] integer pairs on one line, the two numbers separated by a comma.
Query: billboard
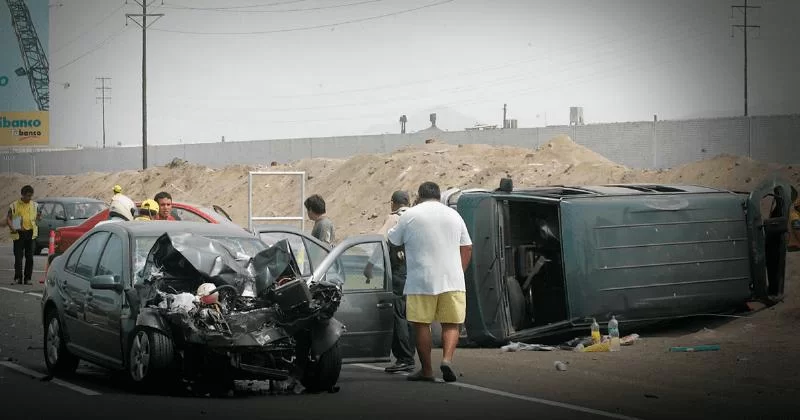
[[24, 73]]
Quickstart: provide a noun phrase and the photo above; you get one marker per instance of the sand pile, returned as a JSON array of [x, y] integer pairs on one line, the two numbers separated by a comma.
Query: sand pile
[[357, 189]]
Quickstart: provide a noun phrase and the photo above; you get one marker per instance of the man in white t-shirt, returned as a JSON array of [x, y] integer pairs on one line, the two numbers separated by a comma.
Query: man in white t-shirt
[[437, 249]]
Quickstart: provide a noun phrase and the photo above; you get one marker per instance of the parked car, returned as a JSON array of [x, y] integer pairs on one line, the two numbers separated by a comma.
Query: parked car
[[66, 236], [549, 259], [135, 296], [59, 212]]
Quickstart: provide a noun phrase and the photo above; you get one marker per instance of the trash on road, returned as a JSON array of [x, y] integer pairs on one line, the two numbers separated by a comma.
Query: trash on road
[[704, 347], [560, 366], [604, 346], [515, 346], [628, 340]]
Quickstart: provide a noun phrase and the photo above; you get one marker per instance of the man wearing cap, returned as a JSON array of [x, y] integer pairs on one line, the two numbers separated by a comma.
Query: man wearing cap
[[402, 338]]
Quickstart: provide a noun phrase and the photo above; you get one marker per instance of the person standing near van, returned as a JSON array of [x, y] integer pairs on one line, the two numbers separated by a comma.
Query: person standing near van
[[437, 250], [21, 219], [323, 225]]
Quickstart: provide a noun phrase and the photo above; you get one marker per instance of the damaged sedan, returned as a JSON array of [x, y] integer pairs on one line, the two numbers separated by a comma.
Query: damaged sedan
[[208, 304]]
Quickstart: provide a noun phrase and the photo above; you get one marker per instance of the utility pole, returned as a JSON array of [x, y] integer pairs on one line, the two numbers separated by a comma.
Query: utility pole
[[504, 115], [144, 25], [745, 30], [103, 98]]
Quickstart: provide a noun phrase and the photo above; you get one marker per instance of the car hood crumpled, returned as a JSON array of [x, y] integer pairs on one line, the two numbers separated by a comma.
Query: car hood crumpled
[[206, 260]]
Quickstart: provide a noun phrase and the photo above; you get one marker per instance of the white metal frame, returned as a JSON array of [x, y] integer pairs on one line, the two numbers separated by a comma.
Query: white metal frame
[[251, 218]]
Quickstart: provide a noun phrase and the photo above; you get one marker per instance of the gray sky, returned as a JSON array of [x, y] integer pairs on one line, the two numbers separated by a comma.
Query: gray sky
[[250, 73]]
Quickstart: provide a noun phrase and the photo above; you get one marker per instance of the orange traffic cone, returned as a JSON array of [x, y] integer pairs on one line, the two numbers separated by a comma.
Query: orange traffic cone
[[51, 249]]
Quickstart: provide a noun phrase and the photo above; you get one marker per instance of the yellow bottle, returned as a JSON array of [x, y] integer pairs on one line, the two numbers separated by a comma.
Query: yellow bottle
[[595, 331]]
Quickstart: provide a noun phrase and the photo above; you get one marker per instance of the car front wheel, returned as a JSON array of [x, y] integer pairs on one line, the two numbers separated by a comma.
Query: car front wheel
[[151, 353], [322, 374], [58, 359]]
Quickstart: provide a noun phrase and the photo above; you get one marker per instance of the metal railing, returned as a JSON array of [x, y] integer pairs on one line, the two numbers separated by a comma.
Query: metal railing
[[251, 218]]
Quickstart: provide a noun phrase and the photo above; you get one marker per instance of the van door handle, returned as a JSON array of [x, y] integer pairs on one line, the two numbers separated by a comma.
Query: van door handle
[[384, 305]]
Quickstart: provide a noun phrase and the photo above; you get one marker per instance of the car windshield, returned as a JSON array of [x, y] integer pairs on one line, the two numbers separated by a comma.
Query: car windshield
[[243, 247], [82, 211]]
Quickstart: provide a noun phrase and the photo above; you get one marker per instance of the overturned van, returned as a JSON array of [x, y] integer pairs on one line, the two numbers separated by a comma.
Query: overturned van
[[549, 259]]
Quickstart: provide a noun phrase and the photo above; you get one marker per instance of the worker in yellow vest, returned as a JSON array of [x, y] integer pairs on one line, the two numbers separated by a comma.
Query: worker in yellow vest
[[794, 223], [21, 219]]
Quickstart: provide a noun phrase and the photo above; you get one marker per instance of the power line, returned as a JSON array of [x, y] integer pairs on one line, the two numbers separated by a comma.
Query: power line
[[100, 45], [579, 62], [745, 30], [89, 30], [229, 10], [280, 3], [307, 28]]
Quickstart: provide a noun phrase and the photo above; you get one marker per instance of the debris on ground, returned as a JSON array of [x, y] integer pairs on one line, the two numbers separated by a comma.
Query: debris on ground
[[704, 347], [560, 366], [514, 346]]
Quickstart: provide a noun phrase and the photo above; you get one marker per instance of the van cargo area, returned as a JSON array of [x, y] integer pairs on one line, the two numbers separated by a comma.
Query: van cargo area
[[534, 265]]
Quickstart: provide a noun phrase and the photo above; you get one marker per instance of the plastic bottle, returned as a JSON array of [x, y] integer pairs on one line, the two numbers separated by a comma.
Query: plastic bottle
[[613, 334], [595, 331]]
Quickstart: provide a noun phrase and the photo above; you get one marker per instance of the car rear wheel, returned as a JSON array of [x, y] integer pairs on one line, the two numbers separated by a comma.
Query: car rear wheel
[[58, 359], [322, 374], [151, 353]]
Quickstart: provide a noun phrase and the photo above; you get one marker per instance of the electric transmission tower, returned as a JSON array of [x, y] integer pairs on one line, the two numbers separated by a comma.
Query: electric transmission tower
[[745, 30], [144, 24], [103, 89], [35, 64]]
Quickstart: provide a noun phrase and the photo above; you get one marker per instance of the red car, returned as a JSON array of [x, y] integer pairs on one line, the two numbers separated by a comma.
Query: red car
[[66, 236]]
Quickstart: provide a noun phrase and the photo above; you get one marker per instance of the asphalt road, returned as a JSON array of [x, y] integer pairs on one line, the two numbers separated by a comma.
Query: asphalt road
[[494, 384]]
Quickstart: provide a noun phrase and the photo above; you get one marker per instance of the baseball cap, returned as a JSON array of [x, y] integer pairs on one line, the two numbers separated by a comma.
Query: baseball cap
[[400, 197]]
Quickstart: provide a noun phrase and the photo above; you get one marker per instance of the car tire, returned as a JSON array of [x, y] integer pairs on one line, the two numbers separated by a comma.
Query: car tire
[[150, 354], [322, 374], [58, 359]]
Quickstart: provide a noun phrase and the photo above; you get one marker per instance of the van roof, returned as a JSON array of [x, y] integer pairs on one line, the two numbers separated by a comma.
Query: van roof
[[568, 191]]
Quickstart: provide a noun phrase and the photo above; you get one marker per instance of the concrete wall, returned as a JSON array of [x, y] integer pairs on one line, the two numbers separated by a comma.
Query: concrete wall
[[661, 144]]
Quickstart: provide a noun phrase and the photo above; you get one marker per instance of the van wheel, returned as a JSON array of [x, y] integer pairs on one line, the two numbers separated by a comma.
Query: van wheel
[[323, 374], [58, 359], [516, 303], [150, 354]]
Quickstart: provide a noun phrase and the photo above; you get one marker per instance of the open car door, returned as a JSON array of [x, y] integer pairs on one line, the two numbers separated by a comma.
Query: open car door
[[767, 222], [366, 309]]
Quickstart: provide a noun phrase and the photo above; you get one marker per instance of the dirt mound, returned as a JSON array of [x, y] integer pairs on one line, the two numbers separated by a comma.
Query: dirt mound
[[357, 189]]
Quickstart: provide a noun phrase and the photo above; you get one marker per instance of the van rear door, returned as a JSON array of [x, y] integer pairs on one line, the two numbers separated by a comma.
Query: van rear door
[[767, 211]]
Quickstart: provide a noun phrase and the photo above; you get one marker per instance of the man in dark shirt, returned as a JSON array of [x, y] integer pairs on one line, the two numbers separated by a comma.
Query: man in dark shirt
[[323, 226]]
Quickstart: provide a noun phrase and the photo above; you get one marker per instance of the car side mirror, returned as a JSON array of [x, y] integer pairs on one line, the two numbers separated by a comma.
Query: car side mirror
[[105, 282]]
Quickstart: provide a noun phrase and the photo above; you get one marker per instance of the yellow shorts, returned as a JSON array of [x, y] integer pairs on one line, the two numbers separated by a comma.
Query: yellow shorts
[[448, 308]]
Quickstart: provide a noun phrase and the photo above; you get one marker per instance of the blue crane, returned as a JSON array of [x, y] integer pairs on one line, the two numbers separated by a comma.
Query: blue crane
[[36, 66]]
